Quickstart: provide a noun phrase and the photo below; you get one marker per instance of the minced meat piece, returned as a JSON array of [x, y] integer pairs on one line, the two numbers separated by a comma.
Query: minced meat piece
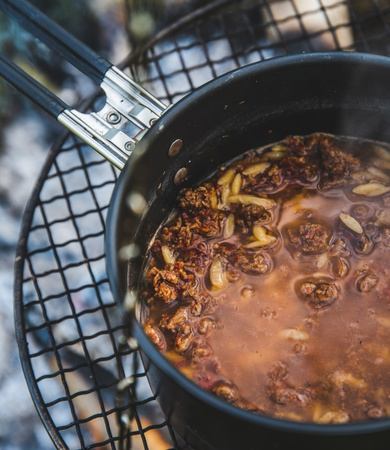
[[226, 391], [207, 223], [206, 325], [171, 284], [279, 371], [281, 394], [339, 249], [303, 145], [247, 215], [319, 294], [375, 412], [178, 235], [360, 242], [156, 336], [187, 280], [298, 170], [314, 237], [385, 237], [374, 233], [196, 259], [367, 282], [275, 176], [339, 267], [267, 181], [176, 321], [184, 338], [311, 237], [197, 199], [200, 353], [296, 145], [336, 165], [290, 169], [165, 284], [252, 263]]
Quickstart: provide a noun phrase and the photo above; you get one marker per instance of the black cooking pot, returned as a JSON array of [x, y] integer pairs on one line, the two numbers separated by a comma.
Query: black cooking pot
[[340, 93]]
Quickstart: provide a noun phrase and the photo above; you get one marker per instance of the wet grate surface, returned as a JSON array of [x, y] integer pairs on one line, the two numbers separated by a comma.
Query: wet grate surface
[[69, 330]]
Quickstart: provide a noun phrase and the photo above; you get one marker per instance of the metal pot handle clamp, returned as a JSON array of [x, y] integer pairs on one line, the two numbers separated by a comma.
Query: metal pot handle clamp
[[129, 110]]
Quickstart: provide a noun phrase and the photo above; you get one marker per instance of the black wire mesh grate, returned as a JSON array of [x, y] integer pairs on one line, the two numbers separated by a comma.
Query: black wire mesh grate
[[71, 338]]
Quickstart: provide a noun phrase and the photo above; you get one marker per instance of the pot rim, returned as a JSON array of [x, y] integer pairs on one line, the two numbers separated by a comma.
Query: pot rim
[[145, 345]]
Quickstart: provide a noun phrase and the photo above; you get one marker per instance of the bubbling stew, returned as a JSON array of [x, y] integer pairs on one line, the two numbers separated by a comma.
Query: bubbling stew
[[270, 284]]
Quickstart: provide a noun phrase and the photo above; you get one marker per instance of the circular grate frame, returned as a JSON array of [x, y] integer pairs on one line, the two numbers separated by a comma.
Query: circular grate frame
[[71, 338]]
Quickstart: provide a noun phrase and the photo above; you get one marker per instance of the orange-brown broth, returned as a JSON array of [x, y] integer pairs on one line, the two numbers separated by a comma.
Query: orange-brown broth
[[346, 338], [336, 364]]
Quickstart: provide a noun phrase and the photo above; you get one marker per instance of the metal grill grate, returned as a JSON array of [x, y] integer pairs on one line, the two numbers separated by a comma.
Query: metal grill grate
[[70, 335]]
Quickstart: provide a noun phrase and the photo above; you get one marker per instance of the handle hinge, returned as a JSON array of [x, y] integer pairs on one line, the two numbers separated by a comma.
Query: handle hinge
[[128, 113]]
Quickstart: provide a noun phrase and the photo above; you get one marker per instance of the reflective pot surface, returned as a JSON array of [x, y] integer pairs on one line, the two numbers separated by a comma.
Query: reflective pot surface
[[346, 94]]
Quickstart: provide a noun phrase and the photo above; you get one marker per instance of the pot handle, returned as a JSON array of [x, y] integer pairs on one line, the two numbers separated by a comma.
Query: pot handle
[[129, 109]]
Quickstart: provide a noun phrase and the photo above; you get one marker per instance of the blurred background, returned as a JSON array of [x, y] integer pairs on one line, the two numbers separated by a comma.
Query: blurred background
[[26, 136], [183, 52]]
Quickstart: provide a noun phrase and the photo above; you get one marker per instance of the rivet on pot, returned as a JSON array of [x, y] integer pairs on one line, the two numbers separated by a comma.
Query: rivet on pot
[[180, 176], [175, 148], [129, 146], [113, 117]]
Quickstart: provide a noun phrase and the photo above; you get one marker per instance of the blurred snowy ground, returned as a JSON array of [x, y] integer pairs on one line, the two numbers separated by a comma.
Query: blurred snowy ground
[[26, 137]]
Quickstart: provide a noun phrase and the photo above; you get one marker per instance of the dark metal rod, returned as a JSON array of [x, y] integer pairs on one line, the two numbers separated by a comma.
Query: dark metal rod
[[31, 88], [57, 38]]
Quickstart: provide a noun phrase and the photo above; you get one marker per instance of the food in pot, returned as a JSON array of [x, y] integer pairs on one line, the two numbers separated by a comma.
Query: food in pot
[[270, 285]]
